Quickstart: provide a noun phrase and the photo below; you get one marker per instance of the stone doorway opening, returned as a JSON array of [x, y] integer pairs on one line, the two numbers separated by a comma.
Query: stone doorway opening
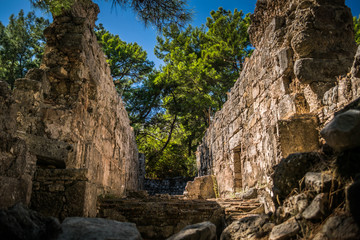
[[237, 169]]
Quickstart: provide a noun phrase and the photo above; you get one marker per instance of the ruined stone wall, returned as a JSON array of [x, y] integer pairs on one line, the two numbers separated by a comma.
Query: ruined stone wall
[[71, 117], [302, 47], [17, 164], [171, 186]]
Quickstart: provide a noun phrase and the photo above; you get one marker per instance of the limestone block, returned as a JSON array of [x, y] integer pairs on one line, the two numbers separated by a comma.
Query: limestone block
[[298, 134], [266, 200], [343, 131], [309, 70], [201, 188], [97, 228], [252, 227], [284, 58], [199, 231], [319, 182], [249, 194], [318, 207], [285, 230], [286, 107], [48, 151], [294, 205]]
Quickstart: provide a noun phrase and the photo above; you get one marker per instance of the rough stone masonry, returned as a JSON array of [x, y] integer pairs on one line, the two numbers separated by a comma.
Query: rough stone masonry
[[292, 84], [68, 119]]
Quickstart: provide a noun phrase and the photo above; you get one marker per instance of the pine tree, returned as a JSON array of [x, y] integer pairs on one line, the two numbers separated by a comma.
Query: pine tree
[[21, 45]]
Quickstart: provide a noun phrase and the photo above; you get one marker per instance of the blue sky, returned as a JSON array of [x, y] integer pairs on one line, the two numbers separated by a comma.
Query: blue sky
[[126, 25]]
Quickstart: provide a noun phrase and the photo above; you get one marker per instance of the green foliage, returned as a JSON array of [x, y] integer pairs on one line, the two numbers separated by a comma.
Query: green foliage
[[202, 64], [173, 160], [21, 45], [357, 29], [155, 12], [128, 61], [171, 109], [53, 6]]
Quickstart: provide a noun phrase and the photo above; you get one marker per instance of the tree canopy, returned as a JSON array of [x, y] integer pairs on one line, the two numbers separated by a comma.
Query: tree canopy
[[128, 61], [357, 30], [201, 65], [159, 13], [170, 108], [21, 45]]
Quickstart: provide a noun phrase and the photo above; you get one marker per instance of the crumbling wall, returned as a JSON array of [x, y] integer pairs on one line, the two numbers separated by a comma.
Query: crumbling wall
[[17, 164], [302, 47], [73, 120]]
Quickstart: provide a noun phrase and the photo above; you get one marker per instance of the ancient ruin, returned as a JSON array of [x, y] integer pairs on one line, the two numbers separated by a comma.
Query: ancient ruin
[[289, 88], [270, 165], [68, 120]]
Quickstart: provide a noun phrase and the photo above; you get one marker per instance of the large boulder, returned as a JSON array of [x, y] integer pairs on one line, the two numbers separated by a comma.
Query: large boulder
[[20, 223], [77, 228], [318, 207], [343, 132], [201, 188], [199, 231], [250, 227]]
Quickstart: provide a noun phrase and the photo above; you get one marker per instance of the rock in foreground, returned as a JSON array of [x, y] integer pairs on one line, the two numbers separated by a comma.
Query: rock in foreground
[[199, 231], [20, 223], [76, 228]]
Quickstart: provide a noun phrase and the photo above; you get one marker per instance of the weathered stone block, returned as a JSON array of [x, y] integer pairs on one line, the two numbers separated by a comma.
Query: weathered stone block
[[319, 182], [343, 131], [49, 152], [293, 205], [298, 134], [285, 230], [318, 207], [251, 227], [199, 231], [201, 188], [309, 70]]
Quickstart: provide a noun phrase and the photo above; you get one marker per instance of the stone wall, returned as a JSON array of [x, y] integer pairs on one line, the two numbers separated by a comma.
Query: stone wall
[[172, 186], [288, 87], [17, 164], [158, 218], [70, 116]]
